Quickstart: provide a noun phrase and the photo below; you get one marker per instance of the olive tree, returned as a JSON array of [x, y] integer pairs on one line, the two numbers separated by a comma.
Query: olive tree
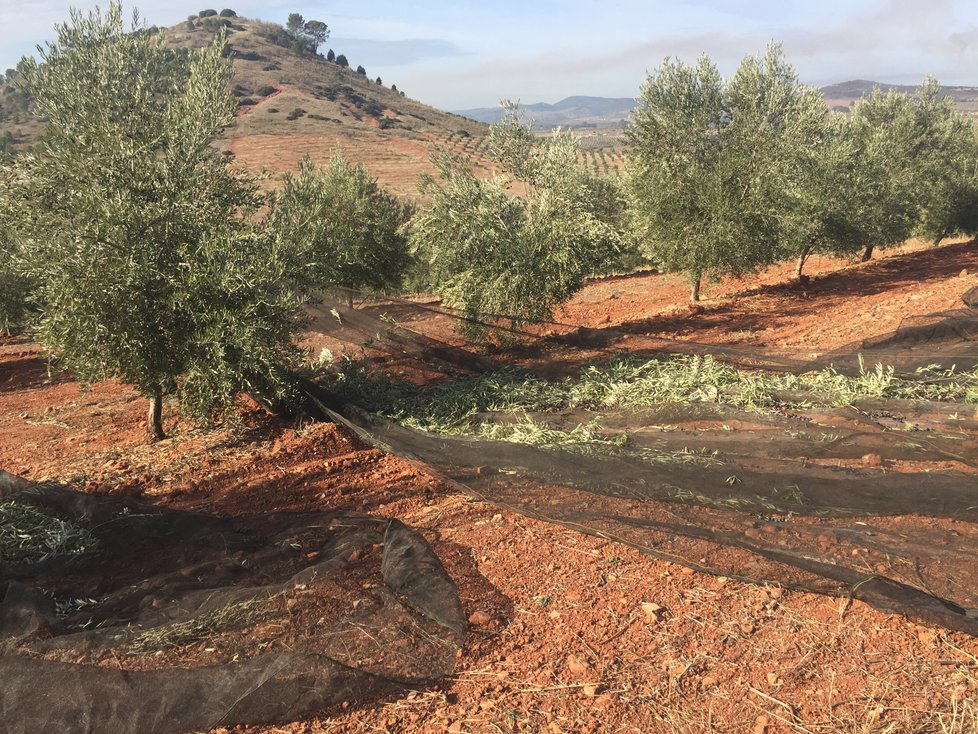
[[508, 250], [715, 164], [139, 236], [339, 227], [946, 167]]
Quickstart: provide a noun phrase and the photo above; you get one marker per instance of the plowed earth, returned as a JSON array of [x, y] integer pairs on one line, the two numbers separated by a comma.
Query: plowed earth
[[569, 633]]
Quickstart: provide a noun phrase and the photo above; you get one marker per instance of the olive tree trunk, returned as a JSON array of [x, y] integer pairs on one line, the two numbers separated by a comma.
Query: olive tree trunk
[[868, 253], [802, 259], [694, 288], [154, 419]]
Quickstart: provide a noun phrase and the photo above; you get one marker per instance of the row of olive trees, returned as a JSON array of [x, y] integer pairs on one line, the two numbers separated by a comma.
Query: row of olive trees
[[135, 251], [729, 176]]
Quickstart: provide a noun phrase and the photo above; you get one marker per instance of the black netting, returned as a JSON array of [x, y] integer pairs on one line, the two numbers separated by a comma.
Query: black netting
[[871, 493], [173, 621]]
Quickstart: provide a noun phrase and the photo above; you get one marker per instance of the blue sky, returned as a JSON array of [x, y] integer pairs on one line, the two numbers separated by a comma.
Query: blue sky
[[461, 55]]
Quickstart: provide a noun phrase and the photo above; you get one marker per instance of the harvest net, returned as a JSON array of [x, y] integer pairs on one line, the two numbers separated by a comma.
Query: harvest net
[[156, 620], [849, 473]]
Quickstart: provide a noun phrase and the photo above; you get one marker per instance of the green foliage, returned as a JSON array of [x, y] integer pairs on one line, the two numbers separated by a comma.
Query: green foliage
[[29, 535], [330, 56], [15, 286], [340, 228], [139, 236], [295, 23], [316, 32], [361, 71], [550, 163], [228, 13], [508, 258], [945, 166], [306, 35], [897, 138], [341, 61], [715, 165]]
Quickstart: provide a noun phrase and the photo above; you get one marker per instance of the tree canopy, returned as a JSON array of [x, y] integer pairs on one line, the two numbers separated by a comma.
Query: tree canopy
[[716, 163], [508, 260], [340, 228], [139, 236]]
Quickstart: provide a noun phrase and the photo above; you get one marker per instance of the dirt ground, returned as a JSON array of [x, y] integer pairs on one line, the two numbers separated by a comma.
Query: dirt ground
[[569, 633]]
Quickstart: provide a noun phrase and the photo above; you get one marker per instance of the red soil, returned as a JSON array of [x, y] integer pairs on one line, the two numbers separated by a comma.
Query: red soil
[[569, 633]]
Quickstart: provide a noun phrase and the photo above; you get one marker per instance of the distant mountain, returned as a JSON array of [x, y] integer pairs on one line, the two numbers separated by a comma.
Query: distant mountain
[[841, 96], [611, 111], [569, 112]]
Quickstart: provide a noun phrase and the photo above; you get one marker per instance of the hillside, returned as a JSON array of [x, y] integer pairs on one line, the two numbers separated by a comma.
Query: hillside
[[841, 96], [293, 105], [585, 112], [575, 111]]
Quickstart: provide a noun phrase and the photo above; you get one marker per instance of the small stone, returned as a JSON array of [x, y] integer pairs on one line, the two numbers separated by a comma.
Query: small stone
[[592, 689], [872, 460], [761, 724], [654, 611], [963, 273], [480, 618], [577, 666], [686, 571]]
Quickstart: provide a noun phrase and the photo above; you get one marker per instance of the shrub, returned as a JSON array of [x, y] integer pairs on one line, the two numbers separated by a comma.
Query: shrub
[[228, 13], [207, 13], [273, 33], [341, 61], [266, 90], [295, 114], [387, 123]]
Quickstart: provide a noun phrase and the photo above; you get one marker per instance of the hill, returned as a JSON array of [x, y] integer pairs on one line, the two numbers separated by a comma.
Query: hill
[[585, 112], [841, 96], [292, 105], [570, 112]]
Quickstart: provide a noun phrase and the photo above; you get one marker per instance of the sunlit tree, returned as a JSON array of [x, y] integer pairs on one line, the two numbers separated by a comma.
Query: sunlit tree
[[715, 164], [138, 234], [340, 228]]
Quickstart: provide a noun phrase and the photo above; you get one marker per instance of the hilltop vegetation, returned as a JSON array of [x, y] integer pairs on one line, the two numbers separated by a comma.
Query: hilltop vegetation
[[292, 103]]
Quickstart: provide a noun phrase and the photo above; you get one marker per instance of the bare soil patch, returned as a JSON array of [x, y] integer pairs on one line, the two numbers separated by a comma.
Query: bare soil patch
[[570, 633]]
